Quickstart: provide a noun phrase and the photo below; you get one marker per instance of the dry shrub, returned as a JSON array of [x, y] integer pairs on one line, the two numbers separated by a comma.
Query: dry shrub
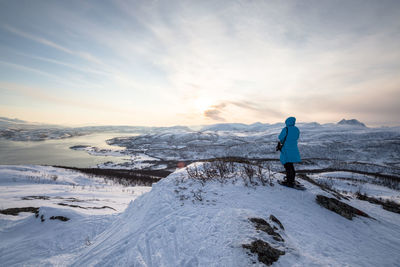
[[223, 170]]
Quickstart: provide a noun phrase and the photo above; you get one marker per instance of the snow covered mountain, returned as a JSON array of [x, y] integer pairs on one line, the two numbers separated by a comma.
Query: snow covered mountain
[[19, 130], [319, 145], [352, 122], [7, 121]]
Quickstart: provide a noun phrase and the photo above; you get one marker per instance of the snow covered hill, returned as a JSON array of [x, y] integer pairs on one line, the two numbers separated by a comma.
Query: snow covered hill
[[193, 219], [352, 122], [187, 222]]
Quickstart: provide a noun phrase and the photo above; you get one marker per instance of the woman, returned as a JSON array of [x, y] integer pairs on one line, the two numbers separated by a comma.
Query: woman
[[290, 152]]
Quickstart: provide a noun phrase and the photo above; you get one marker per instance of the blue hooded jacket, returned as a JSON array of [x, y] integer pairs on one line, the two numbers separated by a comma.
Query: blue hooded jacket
[[290, 151]]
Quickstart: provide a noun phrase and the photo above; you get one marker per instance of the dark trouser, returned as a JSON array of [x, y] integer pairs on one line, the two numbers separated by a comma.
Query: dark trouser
[[290, 172]]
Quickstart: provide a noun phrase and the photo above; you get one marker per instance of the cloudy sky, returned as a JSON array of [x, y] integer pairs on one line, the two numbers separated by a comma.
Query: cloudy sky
[[199, 62]]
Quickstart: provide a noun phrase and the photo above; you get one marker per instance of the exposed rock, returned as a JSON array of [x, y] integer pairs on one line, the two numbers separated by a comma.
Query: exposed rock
[[339, 207], [79, 147], [266, 253], [35, 197], [391, 206], [16, 211], [275, 220], [61, 218], [264, 226], [77, 206], [386, 205]]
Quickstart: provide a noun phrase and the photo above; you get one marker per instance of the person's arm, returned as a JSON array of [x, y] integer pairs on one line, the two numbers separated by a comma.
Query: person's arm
[[282, 135]]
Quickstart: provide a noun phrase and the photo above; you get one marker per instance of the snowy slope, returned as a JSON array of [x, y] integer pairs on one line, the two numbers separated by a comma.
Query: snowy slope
[[90, 204], [182, 222], [186, 222]]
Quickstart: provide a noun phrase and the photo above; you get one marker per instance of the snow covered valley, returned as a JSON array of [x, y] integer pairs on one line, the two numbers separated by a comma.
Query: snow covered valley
[[344, 147], [221, 205]]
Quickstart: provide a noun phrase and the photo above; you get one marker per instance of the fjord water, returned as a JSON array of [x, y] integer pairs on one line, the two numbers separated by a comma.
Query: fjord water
[[58, 152]]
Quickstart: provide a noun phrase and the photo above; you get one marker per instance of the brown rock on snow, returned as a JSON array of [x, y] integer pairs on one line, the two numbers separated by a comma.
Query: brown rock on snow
[[339, 207], [266, 253]]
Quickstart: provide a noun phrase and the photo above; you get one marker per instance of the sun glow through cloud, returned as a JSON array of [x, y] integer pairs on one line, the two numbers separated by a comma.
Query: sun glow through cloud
[[202, 104]]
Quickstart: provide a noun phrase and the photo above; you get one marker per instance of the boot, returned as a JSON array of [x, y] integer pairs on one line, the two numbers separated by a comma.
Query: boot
[[287, 182]]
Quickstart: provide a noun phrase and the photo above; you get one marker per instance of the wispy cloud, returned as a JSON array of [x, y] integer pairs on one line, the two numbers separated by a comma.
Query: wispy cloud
[[228, 110], [61, 63], [253, 60], [214, 112], [25, 68], [49, 43]]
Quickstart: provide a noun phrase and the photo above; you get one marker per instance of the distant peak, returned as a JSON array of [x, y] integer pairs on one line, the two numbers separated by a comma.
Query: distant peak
[[353, 122], [12, 120]]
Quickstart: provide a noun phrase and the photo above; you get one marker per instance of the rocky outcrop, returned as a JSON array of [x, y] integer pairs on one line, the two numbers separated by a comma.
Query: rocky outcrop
[[386, 205], [61, 218], [266, 253], [339, 207], [16, 211], [275, 220], [264, 226]]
